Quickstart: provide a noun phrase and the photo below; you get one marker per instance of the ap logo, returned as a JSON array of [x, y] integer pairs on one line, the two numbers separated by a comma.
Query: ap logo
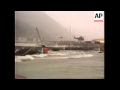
[[98, 16]]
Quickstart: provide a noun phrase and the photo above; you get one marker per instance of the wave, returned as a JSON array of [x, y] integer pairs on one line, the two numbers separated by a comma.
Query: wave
[[56, 55], [40, 55], [23, 58]]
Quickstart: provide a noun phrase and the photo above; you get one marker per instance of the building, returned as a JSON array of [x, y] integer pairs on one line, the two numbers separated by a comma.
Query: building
[[26, 40], [99, 41]]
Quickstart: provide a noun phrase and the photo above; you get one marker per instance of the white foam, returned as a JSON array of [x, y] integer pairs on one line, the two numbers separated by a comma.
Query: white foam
[[75, 56], [53, 55], [29, 57], [80, 56], [18, 60], [59, 58], [66, 53], [40, 55], [58, 54], [23, 58], [88, 55], [69, 56], [55, 58]]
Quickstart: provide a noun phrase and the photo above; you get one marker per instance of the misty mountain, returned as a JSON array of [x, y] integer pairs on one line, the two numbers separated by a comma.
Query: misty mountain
[[25, 30], [51, 30]]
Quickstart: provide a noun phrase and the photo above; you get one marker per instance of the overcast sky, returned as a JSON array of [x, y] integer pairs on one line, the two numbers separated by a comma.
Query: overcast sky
[[81, 22]]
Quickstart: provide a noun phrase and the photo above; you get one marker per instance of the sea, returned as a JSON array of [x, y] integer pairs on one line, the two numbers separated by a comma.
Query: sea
[[63, 64]]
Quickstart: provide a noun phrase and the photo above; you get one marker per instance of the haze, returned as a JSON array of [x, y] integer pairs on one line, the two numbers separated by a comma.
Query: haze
[[81, 22]]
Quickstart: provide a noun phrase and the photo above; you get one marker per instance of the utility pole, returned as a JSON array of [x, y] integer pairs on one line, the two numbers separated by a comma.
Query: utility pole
[[70, 37]]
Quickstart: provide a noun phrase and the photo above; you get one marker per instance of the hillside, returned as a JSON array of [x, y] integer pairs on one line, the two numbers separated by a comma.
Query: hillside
[[51, 30]]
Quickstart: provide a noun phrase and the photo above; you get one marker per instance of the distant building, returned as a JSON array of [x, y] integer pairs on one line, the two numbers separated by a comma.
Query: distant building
[[26, 40], [99, 41], [66, 42]]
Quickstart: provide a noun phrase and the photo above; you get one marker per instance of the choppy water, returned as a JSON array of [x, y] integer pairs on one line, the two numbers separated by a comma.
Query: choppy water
[[50, 67], [54, 55]]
